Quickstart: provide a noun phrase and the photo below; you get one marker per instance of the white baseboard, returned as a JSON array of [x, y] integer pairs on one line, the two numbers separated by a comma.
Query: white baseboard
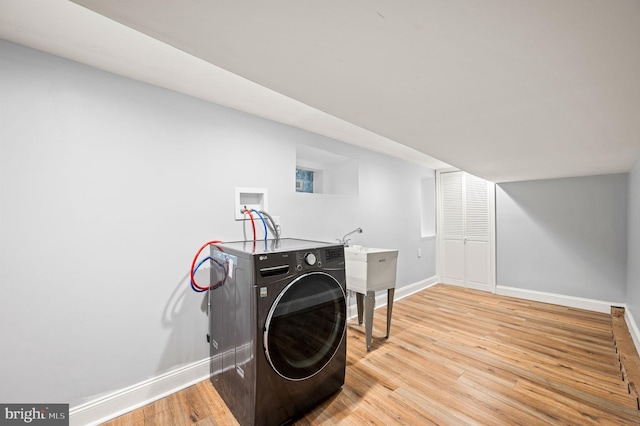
[[575, 302], [400, 293], [118, 403], [633, 328], [121, 402], [410, 289], [558, 299]]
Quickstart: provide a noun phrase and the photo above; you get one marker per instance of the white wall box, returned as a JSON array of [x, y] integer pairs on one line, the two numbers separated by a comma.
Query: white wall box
[[252, 198]]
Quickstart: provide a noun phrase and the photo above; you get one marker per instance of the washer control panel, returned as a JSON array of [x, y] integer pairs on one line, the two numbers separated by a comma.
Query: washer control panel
[[308, 259], [316, 258]]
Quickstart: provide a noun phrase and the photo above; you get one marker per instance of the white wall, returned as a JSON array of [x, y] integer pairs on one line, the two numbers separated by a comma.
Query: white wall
[[633, 263], [564, 236], [108, 187]]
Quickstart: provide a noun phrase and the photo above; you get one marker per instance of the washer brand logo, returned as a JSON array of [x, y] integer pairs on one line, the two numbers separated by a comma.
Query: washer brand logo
[[43, 414], [263, 257]]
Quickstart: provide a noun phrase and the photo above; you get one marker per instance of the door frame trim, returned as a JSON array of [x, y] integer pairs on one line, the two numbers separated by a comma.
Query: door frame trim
[[492, 227]]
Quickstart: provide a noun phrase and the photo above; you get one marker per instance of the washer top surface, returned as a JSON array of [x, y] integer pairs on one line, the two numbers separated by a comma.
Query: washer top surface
[[274, 246]]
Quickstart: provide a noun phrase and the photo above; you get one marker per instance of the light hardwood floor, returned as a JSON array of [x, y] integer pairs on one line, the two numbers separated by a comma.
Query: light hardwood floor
[[456, 357]]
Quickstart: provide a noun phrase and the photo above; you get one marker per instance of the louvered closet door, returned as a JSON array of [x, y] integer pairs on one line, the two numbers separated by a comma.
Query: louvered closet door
[[466, 231], [477, 243], [453, 228]]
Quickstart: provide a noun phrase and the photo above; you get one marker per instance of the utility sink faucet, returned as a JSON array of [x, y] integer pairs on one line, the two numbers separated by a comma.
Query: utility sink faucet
[[345, 241]]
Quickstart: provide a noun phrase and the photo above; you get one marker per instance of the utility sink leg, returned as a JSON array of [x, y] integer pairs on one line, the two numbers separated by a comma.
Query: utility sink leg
[[390, 294], [369, 305]]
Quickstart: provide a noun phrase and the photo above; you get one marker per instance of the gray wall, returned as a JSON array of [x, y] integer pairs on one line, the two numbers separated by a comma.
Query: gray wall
[[108, 187], [564, 236], [633, 264]]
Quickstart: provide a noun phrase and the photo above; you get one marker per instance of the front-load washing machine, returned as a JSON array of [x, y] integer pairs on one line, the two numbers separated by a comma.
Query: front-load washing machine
[[277, 324]]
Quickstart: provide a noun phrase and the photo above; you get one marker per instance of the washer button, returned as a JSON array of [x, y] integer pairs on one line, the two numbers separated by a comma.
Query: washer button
[[310, 258]]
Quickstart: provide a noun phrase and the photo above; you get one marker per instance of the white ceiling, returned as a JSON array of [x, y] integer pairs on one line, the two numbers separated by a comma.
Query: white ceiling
[[505, 89]]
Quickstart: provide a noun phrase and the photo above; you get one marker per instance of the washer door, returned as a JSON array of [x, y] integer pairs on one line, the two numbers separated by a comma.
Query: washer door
[[305, 326]]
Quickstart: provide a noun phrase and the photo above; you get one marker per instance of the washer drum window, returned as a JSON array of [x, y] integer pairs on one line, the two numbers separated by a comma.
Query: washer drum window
[[305, 326]]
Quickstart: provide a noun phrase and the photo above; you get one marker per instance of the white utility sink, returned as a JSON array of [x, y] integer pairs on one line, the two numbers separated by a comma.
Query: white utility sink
[[369, 270]]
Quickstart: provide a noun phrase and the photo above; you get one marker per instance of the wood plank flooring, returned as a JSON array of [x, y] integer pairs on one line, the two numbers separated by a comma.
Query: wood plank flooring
[[456, 357], [629, 359]]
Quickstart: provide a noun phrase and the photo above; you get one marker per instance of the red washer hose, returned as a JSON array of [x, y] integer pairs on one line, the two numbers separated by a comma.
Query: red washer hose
[[193, 264]]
